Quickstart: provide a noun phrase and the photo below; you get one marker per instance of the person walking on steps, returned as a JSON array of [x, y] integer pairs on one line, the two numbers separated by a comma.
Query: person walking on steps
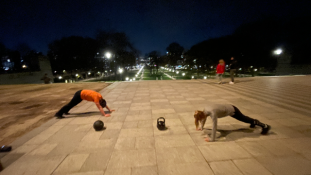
[[220, 69], [88, 95], [232, 67], [46, 79], [216, 111]]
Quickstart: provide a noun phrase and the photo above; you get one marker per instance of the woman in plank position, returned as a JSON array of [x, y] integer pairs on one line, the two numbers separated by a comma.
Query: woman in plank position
[[216, 111]]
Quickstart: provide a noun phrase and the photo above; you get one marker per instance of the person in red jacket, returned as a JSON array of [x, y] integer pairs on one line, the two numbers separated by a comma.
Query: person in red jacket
[[87, 95], [220, 70]]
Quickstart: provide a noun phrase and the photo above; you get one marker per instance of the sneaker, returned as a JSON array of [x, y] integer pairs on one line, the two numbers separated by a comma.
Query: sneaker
[[252, 125], [5, 148], [231, 82], [59, 116], [265, 130]]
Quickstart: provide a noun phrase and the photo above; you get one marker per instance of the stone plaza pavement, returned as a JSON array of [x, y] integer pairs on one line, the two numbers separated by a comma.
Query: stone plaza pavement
[[132, 144]]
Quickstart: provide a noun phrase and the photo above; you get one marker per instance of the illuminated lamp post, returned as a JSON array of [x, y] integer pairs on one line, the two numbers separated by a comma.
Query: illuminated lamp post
[[121, 70]]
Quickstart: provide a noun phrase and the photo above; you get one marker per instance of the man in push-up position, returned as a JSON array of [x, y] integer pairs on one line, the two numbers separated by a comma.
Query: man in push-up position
[[216, 111], [87, 95]]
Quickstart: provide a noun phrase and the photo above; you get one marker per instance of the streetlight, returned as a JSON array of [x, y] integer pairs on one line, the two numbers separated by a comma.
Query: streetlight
[[278, 51], [121, 70], [108, 55]]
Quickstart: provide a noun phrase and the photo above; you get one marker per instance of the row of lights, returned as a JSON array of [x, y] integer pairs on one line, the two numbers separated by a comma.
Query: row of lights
[[177, 72], [133, 79]]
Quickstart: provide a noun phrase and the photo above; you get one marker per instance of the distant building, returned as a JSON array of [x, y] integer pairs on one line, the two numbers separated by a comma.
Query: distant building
[[143, 60], [7, 64]]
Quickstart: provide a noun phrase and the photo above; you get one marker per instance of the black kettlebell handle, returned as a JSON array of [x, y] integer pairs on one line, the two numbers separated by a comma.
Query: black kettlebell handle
[[161, 118]]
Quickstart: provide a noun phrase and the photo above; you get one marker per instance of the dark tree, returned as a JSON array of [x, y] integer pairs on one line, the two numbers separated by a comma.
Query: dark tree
[[119, 45], [71, 53], [155, 58], [32, 60], [23, 48], [255, 42], [15, 57], [2, 54], [174, 53]]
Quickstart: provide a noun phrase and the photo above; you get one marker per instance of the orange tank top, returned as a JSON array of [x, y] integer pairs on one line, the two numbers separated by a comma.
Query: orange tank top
[[90, 95]]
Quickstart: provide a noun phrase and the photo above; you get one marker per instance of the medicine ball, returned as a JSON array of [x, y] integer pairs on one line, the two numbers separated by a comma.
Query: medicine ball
[[98, 125]]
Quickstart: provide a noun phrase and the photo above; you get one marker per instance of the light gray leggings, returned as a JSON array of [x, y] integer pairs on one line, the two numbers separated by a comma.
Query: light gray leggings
[[219, 76]]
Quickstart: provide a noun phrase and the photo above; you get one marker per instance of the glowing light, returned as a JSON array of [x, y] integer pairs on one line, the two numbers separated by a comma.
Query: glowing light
[[127, 78], [204, 77], [192, 77], [60, 77], [183, 74], [278, 51], [108, 55]]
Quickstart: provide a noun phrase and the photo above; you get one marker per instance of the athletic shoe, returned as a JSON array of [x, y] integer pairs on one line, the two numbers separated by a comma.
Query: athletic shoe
[[252, 125], [5, 148], [265, 130], [59, 116], [231, 82]]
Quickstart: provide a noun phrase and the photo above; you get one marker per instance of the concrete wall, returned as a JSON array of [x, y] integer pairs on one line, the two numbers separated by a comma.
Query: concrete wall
[[285, 68], [29, 77]]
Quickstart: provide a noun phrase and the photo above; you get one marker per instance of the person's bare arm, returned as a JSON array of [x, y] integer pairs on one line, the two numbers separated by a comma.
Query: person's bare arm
[[196, 122], [214, 119], [110, 110], [203, 123], [101, 110]]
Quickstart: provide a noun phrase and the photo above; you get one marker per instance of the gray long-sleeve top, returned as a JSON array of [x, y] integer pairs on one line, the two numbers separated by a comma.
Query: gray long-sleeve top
[[216, 111]]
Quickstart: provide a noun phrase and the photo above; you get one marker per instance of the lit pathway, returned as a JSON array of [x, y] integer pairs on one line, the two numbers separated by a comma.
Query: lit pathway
[[132, 144]]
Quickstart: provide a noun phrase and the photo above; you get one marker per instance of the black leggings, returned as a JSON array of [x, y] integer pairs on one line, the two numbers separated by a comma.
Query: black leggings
[[239, 116], [74, 101]]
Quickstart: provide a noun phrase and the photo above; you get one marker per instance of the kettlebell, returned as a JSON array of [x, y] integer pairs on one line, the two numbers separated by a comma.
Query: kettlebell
[[161, 123]]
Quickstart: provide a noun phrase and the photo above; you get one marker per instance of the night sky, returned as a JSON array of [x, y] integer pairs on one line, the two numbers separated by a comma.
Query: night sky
[[150, 25]]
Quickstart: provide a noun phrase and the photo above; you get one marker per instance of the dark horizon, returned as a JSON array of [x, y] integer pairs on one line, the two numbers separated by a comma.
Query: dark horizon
[[149, 25]]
